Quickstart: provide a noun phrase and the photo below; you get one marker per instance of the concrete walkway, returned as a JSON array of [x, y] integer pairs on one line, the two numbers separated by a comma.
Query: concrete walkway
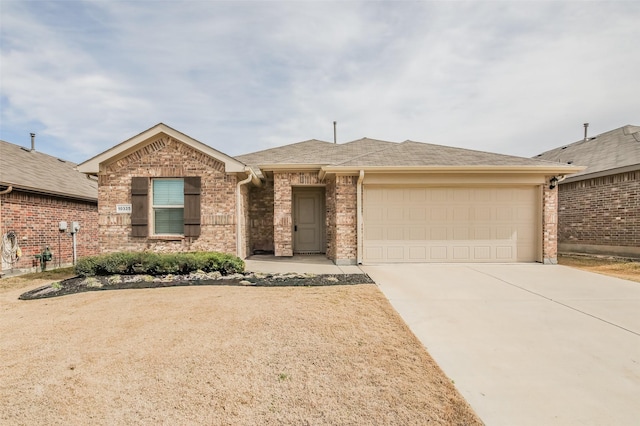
[[527, 344], [311, 264]]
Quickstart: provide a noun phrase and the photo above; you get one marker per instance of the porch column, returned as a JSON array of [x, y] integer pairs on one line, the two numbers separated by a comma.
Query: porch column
[[282, 238], [549, 224]]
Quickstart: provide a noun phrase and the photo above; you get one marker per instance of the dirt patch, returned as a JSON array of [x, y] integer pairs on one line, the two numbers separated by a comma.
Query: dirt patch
[[218, 355], [121, 282], [614, 267]]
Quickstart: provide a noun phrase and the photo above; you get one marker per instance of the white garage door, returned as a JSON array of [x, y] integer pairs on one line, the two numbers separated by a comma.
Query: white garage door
[[450, 224]]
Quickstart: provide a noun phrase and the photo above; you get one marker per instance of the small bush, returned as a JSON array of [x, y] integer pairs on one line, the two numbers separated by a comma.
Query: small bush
[[158, 264]]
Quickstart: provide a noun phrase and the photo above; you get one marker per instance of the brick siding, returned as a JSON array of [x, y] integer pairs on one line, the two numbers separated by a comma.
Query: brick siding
[[261, 222], [35, 218], [603, 211], [346, 232], [549, 224], [330, 217], [166, 157]]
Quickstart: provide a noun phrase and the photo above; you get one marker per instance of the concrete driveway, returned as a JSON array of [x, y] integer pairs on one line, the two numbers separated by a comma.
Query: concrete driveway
[[527, 344]]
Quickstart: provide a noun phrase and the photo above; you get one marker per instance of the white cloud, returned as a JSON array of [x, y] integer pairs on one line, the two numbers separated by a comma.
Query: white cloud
[[508, 77]]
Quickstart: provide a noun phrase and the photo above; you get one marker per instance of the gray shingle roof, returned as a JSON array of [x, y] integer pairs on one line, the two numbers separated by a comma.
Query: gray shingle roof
[[410, 153], [608, 151], [313, 152], [367, 152], [35, 171]]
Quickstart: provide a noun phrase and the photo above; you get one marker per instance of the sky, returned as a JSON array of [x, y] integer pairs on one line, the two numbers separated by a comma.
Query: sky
[[512, 77]]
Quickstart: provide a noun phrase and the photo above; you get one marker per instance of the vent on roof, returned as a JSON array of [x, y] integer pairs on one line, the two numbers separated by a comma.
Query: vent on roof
[[569, 162], [61, 160], [25, 149], [586, 126], [564, 147]]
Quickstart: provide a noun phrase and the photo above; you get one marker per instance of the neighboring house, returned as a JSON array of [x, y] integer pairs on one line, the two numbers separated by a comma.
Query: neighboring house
[[365, 201], [37, 192], [599, 207]]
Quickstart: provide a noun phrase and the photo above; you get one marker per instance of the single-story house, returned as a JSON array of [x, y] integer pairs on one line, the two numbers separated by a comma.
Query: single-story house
[[37, 192], [599, 207], [366, 201]]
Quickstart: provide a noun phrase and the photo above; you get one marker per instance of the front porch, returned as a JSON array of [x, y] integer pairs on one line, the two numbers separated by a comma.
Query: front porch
[[295, 213], [301, 264]]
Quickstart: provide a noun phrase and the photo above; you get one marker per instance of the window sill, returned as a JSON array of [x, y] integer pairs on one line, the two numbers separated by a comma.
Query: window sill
[[167, 237]]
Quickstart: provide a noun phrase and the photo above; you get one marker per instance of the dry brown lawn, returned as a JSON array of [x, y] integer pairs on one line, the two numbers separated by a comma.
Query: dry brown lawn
[[217, 355], [624, 269]]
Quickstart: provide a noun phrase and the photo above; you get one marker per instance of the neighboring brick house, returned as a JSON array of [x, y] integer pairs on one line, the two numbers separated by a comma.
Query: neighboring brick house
[[37, 192], [599, 208], [365, 201]]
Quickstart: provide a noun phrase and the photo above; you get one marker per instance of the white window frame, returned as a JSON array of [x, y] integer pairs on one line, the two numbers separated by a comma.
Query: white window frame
[[161, 206]]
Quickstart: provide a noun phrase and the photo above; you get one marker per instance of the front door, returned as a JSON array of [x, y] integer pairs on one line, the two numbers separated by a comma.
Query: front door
[[308, 220]]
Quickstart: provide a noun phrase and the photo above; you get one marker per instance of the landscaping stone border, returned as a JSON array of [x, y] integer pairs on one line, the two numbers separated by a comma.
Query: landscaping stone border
[[120, 282]]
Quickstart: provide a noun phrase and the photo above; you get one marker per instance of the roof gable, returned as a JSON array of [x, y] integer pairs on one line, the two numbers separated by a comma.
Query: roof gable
[[612, 150], [92, 166], [35, 171]]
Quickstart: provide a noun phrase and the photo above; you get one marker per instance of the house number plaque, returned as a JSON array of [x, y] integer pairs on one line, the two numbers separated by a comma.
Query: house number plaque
[[123, 208]]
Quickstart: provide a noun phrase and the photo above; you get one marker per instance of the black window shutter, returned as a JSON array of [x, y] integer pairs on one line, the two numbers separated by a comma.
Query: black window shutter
[[139, 207], [192, 206]]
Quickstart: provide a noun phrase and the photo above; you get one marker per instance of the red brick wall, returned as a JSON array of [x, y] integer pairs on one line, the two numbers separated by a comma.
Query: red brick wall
[[34, 218], [167, 157], [603, 211]]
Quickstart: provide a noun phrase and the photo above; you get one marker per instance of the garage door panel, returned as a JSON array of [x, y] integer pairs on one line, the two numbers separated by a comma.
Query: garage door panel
[[482, 233], [417, 195], [504, 253], [482, 253], [460, 233], [461, 253], [416, 233], [395, 253], [438, 233], [395, 233], [438, 253], [450, 224], [417, 214], [418, 254]]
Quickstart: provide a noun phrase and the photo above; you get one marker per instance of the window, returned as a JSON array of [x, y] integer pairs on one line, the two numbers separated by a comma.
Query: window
[[172, 205], [168, 206]]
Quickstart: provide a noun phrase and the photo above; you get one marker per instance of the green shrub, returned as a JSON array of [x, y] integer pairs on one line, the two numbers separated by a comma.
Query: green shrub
[[158, 264]]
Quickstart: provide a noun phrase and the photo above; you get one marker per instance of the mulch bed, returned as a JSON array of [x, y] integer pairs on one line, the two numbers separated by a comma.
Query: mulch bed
[[120, 282]]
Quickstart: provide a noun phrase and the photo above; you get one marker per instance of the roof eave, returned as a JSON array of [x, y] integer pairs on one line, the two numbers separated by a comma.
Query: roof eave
[[32, 190], [602, 173], [547, 170], [290, 167]]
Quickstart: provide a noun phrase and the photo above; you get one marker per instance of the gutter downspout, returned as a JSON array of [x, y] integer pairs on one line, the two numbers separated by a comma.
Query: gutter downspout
[[359, 219], [6, 191], [251, 178]]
